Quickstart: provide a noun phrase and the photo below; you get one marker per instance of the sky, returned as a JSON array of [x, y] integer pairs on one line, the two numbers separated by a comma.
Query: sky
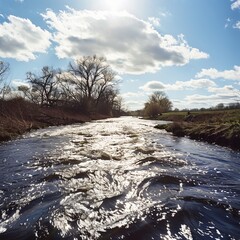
[[188, 49]]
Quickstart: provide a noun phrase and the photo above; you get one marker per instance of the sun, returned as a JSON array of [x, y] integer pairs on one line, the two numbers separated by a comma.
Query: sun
[[115, 5]]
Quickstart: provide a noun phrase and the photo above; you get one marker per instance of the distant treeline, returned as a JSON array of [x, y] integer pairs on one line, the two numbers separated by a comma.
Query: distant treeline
[[88, 85], [220, 106]]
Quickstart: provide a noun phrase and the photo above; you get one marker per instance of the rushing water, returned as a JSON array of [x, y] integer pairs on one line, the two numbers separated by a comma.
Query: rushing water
[[117, 179]]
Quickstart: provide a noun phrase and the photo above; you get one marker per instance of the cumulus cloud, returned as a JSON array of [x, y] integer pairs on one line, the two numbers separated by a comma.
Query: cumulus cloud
[[131, 45], [179, 85], [213, 73], [153, 86], [21, 39], [235, 4]]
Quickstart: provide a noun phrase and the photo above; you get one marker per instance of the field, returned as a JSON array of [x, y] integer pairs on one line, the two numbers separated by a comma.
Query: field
[[214, 116], [220, 127]]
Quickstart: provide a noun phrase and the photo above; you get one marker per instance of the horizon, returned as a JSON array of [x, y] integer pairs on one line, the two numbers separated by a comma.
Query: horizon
[[178, 47]]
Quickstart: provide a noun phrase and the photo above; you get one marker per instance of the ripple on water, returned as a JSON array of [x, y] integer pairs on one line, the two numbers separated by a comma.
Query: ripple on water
[[113, 179]]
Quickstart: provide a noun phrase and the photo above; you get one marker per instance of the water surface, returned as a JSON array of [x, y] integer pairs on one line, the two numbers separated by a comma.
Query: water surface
[[117, 179]]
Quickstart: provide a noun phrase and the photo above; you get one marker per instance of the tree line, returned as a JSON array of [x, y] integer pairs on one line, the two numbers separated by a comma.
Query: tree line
[[88, 85]]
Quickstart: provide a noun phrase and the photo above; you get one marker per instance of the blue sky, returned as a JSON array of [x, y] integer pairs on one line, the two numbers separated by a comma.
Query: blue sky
[[188, 49]]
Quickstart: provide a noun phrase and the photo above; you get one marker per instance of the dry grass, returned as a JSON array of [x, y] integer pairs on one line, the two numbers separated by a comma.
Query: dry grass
[[219, 116], [219, 126], [224, 134], [18, 116]]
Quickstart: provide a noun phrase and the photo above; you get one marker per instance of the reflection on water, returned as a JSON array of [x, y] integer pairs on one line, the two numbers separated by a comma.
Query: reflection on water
[[117, 179]]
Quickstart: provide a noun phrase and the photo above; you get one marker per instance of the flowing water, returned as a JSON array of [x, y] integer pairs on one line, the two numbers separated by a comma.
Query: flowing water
[[117, 179]]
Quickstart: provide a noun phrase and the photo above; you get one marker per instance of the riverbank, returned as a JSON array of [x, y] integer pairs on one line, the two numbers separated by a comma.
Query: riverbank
[[18, 117], [219, 127]]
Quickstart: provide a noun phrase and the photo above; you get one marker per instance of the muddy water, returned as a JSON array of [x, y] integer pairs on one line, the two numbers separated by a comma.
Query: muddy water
[[117, 179]]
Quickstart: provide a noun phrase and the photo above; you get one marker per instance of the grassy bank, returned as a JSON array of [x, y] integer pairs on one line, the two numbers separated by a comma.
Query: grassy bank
[[18, 116], [220, 127], [214, 116]]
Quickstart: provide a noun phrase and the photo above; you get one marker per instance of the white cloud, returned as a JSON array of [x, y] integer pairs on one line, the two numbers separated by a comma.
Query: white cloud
[[18, 82], [213, 73], [21, 39], [211, 99], [153, 86], [237, 25], [118, 78], [235, 5], [132, 94], [226, 94], [165, 14], [154, 21], [228, 20], [134, 100], [178, 85], [134, 105], [199, 83], [214, 95], [131, 45], [228, 89]]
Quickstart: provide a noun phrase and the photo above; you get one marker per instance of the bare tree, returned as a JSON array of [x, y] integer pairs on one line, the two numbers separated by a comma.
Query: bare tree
[[28, 94], [43, 87], [92, 77], [88, 85], [4, 88], [4, 68], [71, 92]]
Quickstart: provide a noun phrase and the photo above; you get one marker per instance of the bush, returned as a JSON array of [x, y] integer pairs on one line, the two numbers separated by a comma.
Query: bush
[[177, 129]]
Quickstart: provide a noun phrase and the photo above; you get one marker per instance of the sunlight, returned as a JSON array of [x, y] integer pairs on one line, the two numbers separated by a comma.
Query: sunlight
[[115, 5]]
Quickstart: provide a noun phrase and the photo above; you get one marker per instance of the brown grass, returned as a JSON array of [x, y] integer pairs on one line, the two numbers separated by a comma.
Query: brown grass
[[18, 116], [223, 134]]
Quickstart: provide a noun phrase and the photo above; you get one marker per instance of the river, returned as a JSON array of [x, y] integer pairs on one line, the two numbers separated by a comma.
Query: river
[[117, 179]]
